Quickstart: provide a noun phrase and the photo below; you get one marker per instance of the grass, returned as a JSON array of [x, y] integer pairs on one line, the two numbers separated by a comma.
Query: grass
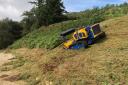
[[13, 64], [17, 62], [104, 63]]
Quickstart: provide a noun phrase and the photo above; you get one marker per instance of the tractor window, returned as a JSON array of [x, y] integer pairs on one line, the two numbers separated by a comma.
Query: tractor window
[[96, 29], [76, 36], [80, 35], [83, 34]]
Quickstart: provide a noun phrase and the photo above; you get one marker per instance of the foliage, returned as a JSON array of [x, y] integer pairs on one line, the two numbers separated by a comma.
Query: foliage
[[44, 12], [9, 32], [49, 11], [107, 12], [29, 21], [47, 37]]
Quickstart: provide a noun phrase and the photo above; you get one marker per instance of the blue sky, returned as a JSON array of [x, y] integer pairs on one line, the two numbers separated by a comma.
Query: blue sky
[[79, 5]]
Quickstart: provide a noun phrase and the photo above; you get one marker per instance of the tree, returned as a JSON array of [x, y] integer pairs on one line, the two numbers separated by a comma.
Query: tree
[[9, 32], [55, 9], [44, 12], [49, 11], [28, 21]]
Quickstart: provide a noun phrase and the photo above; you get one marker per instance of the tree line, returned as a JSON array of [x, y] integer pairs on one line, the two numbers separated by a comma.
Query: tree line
[[98, 14], [9, 32]]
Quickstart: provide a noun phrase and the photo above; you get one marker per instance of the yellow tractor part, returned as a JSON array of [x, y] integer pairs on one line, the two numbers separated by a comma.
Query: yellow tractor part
[[77, 35], [68, 43], [80, 34]]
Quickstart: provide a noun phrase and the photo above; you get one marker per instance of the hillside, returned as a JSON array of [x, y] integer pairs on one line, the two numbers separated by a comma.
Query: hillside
[[48, 37], [103, 63], [106, 12]]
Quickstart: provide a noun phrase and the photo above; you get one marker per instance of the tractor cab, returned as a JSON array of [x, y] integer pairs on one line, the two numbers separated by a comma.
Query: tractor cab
[[80, 33]]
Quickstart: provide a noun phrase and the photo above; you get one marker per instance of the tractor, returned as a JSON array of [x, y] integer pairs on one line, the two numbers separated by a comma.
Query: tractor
[[81, 37]]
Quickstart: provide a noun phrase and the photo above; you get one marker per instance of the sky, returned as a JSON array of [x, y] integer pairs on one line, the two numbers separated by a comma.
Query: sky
[[14, 8]]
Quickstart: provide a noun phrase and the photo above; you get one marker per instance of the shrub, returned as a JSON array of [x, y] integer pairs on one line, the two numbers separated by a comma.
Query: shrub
[[9, 32]]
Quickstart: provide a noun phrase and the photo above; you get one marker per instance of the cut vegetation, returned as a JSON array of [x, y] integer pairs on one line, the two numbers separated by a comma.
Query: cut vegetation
[[104, 63], [40, 58]]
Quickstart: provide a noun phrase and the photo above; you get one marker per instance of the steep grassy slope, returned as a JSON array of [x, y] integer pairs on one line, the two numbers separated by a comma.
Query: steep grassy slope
[[48, 37], [103, 63]]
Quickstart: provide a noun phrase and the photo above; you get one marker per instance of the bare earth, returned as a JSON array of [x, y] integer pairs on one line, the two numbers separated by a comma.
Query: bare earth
[[6, 77]]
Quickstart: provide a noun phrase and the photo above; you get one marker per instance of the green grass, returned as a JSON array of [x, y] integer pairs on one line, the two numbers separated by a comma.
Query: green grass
[[47, 37]]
